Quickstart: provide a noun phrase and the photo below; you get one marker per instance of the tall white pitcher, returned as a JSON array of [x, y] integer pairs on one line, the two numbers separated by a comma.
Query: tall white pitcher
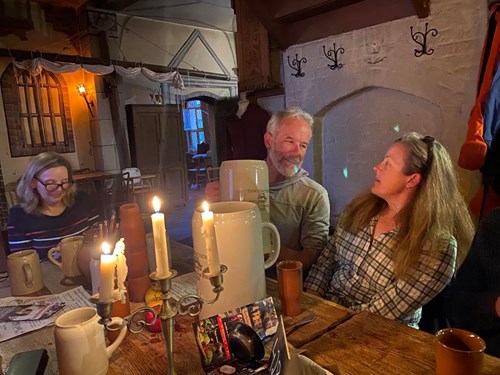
[[248, 180], [238, 229]]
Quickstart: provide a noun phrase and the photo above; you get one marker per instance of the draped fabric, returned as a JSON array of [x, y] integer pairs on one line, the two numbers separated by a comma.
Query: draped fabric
[[481, 149], [36, 65]]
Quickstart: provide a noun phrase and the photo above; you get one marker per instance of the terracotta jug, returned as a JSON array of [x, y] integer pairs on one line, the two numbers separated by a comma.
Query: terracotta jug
[[132, 227]]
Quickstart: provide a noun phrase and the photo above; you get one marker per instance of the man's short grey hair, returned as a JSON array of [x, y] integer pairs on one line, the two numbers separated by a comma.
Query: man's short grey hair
[[292, 112]]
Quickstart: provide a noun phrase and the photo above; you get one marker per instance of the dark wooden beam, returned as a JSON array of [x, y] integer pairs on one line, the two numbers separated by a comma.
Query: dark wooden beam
[[293, 12], [26, 55], [298, 21]]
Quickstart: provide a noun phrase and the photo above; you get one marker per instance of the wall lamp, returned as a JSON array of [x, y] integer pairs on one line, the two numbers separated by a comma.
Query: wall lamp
[[83, 92]]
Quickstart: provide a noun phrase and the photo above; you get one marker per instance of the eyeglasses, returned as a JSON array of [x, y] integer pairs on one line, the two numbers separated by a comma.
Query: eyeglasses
[[52, 186], [429, 141]]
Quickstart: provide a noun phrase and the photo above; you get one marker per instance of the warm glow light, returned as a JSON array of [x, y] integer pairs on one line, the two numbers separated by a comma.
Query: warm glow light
[[106, 248], [156, 204], [81, 89], [205, 206]]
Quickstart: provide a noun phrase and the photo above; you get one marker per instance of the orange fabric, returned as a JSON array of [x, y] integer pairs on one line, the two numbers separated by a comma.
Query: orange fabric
[[492, 201], [473, 151]]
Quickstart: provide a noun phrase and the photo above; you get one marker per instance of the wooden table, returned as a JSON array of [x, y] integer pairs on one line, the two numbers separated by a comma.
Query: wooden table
[[370, 344], [145, 353], [338, 340]]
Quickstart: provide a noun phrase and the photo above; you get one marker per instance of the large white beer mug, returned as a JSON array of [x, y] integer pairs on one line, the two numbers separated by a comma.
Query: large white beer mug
[[80, 344], [247, 180], [238, 231]]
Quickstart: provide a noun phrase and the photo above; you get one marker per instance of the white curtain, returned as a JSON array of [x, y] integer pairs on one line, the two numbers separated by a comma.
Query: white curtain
[[36, 65]]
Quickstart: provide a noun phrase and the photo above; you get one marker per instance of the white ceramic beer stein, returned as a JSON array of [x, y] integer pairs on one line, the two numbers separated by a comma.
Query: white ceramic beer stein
[[80, 344], [247, 180], [238, 231]]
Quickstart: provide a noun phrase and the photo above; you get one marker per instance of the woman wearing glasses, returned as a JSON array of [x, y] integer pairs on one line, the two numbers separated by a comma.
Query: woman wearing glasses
[[50, 208], [398, 246]]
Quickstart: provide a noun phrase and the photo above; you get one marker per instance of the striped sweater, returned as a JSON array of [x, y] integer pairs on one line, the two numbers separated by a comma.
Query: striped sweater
[[27, 231]]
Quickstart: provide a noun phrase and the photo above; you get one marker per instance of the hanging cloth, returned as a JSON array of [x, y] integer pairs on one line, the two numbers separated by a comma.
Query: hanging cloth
[[476, 150]]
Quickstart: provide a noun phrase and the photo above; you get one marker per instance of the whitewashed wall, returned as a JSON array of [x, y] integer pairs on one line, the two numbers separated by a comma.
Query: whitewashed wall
[[383, 91]]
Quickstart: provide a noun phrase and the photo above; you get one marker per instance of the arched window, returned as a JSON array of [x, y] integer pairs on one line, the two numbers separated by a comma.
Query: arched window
[[37, 112]]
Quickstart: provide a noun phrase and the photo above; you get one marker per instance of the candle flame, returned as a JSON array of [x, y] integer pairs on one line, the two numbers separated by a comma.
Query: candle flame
[[156, 204], [205, 206], [106, 248]]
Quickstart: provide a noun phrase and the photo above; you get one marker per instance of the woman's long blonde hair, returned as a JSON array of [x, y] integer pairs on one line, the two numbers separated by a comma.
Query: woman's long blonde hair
[[29, 199], [435, 212]]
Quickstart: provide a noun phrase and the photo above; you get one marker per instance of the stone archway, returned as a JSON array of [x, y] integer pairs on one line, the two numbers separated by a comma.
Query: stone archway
[[357, 129]]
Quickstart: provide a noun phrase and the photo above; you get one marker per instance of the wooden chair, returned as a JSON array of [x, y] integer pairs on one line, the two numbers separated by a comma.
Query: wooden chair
[[138, 185], [200, 176], [213, 174], [118, 193]]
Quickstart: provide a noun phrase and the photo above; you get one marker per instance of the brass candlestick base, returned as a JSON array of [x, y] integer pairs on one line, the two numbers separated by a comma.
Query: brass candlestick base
[[184, 306]]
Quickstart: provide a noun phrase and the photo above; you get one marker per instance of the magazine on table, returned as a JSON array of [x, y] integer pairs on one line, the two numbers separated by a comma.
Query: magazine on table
[[25, 312], [211, 334], [70, 299]]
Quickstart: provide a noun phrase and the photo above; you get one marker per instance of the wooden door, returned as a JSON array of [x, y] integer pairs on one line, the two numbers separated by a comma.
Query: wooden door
[[158, 145]]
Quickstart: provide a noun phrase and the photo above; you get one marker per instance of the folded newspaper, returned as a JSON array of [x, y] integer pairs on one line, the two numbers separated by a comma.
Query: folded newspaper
[[69, 300]]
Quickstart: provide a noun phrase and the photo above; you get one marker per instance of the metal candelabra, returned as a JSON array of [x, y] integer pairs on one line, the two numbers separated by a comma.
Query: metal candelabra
[[167, 313]]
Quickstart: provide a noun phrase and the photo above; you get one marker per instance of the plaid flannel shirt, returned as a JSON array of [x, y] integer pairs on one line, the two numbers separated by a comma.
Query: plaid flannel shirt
[[354, 273]]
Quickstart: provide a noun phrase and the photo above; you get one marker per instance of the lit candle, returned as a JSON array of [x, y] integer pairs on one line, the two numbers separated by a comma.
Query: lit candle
[[208, 231], [121, 268], [160, 241], [107, 274]]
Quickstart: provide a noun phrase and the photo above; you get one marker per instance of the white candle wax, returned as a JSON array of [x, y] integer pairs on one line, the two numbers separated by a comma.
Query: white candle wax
[[208, 231], [121, 264], [160, 241], [106, 274]]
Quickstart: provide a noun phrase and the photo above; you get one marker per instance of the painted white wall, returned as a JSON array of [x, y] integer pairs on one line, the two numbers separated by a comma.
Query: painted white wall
[[382, 56]]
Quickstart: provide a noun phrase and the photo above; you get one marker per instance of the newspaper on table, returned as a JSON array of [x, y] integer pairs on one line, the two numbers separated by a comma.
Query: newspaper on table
[[72, 299], [183, 285]]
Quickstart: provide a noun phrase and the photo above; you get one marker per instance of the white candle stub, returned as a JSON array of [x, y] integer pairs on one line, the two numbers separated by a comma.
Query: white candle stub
[[121, 269]]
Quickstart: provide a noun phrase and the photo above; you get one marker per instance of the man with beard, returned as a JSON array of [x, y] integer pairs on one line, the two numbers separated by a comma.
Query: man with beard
[[299, 206]]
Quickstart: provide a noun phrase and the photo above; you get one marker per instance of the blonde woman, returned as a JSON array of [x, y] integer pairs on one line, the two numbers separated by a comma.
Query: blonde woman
[[398, 246], [50, 208]]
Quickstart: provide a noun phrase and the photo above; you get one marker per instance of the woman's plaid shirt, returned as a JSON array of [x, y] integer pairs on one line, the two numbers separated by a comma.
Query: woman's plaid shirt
[[358, 274]]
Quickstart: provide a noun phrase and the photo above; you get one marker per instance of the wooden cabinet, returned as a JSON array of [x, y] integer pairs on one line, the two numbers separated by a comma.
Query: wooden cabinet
[[252, 49], [158, 146]]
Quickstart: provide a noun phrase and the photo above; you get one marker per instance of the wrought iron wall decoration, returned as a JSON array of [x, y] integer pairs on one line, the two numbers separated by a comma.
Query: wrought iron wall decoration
[[333, 55], [297, 65], [421, 39]]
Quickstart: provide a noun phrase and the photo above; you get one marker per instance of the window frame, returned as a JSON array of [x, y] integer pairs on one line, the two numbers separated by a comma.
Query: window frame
[[19, 122]]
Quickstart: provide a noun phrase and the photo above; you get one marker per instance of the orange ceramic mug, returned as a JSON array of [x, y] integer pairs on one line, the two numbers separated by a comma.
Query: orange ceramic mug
[[459, 352], [290, 286]]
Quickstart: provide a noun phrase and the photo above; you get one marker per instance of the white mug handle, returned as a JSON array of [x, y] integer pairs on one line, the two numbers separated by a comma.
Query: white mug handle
[[51, 256], [120, 322], [276, 244]]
